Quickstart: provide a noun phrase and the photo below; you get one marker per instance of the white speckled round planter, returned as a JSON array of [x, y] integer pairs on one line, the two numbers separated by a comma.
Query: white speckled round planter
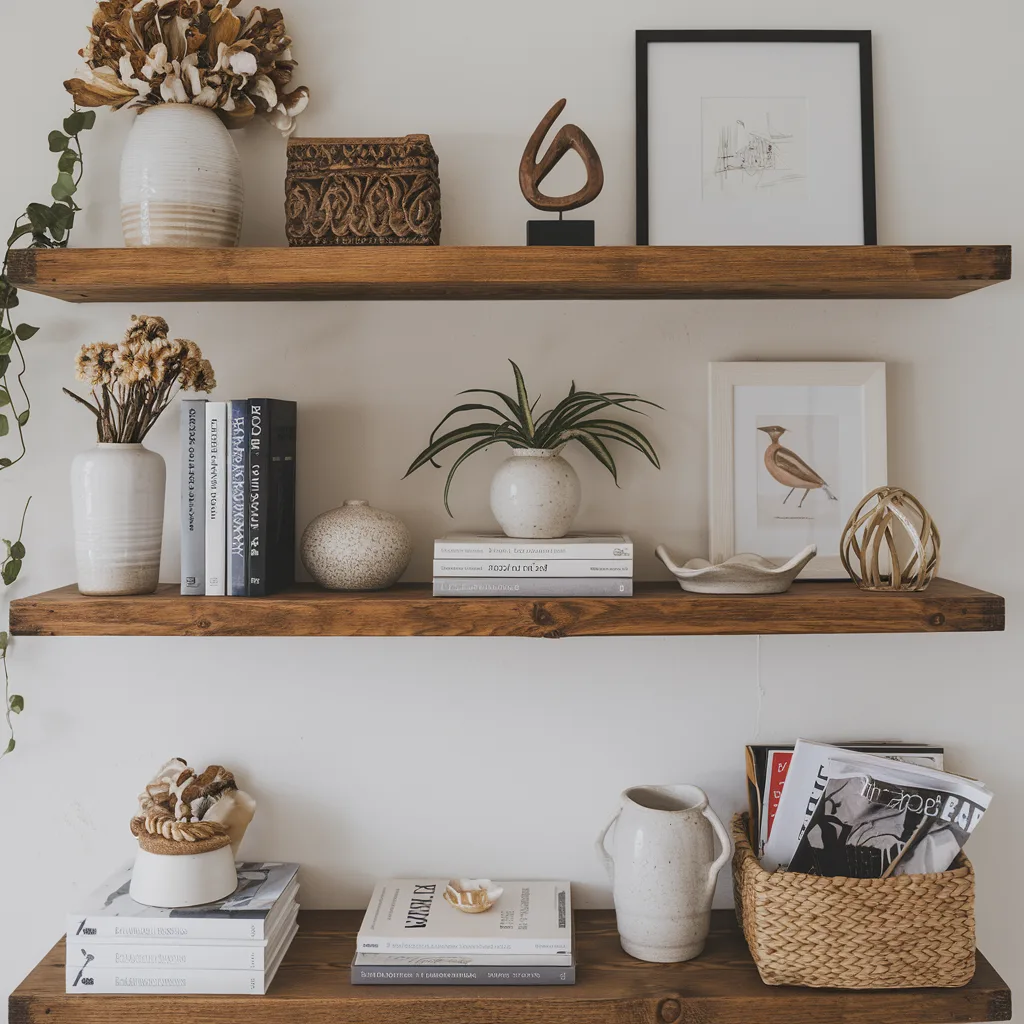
[[117, 497], [356, 547], [663, 870], [535, 494], [181, 179], [183, 880]]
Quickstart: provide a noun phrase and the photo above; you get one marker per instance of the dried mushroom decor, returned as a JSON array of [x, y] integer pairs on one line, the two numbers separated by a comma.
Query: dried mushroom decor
[[363, 192], [187, 813]]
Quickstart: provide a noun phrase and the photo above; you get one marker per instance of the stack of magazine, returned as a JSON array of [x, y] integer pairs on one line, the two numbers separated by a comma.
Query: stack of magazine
[[412, 936], [864, 811], [493, 565], [232, 947]]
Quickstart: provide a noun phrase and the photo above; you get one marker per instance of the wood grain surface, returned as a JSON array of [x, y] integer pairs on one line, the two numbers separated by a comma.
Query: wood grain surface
[[719, 987], [453, 272], [656, 609]]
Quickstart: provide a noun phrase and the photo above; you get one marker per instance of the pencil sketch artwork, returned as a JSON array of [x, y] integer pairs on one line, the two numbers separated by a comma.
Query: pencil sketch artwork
[[754, 149], [797, 469]]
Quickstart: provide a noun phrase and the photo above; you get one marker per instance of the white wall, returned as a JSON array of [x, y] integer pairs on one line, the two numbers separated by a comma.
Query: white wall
[[358, 749]]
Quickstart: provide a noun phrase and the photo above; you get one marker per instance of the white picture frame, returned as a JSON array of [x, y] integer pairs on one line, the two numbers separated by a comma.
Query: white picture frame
[[835, 416]]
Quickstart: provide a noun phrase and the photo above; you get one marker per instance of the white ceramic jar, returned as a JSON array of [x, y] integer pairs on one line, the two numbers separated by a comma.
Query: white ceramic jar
[[117, 497], [183, 879], [663, 870], [181, 179], [535, 493], [356, 547]]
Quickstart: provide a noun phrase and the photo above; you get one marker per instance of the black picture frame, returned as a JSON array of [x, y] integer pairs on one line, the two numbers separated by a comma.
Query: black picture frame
[[645, 37]]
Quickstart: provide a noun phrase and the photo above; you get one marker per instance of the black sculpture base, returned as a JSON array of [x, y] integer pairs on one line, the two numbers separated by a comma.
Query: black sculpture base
[[559, 232]]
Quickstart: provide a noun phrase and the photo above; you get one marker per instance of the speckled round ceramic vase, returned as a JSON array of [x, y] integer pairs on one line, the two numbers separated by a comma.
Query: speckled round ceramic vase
[[663, 870], [117, 498], [356, 547], [535, 493], [181, 179]]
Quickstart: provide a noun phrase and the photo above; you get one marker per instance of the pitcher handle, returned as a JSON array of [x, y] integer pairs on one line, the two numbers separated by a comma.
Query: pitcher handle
[[602, 853], [725, 839]]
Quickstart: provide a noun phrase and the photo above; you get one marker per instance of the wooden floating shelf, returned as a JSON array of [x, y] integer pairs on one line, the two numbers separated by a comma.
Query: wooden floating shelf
[[656, 609], [719, 987], [454, 272]]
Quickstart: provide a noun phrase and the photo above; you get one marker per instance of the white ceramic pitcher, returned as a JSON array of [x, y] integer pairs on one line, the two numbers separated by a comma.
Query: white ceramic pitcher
[[663, 870]]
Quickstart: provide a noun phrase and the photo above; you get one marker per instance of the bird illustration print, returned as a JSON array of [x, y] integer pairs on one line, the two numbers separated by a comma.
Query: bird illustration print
[[790, 470]]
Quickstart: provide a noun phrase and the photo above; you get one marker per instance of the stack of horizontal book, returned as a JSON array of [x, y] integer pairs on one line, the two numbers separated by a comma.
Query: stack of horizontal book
[[576, 565], [411, 935], [232, 947], [237, 497]]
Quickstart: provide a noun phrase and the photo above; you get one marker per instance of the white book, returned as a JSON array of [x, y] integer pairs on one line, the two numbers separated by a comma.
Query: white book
[[408, 915], [193, 496], [536, 586], [216, 498], [804, 786], [249, 914], [462, 960], [89, 980], [559, 568], [572, 545], [198, 955]]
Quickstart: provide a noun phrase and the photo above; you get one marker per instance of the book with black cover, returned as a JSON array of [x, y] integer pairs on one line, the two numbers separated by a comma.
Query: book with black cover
[[235, 580], [271, 435]]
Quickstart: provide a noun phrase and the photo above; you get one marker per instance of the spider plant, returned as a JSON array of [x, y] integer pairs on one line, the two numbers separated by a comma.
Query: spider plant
[[577, 417]]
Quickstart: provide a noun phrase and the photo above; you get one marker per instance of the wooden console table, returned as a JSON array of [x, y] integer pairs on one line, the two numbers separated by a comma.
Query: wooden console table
[[720, 987]]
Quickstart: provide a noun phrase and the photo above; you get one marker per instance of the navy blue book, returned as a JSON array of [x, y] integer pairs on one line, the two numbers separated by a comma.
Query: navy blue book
[[271, 439], [236, 506]]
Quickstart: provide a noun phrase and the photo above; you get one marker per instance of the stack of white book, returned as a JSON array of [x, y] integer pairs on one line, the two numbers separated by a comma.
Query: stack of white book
[[411, 935], [493, 565], [232, 947]]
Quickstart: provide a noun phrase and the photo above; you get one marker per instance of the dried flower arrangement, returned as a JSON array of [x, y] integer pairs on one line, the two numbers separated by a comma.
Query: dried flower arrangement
[[134, 380], [180, 806], [144, 52]]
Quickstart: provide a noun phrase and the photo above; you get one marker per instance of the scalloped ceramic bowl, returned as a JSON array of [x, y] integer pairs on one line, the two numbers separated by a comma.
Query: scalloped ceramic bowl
[[741, 574]]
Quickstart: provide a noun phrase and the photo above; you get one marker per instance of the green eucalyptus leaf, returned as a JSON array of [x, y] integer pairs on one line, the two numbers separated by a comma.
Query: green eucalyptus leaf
[[17, 703], [88, 119], [67, 161], [39, 216], [5, 398], [65, 186], [23, 417], [58, 141], [11, 570], [5, 426], [5, 363], [4, 640], [18, 549], [61, 215], [4, 463], [10, 746], [19, 232], [6, 342], [25, 331], [74, 123]]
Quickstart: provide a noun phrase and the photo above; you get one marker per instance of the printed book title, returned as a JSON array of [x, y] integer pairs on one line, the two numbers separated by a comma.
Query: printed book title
[[419, 906]]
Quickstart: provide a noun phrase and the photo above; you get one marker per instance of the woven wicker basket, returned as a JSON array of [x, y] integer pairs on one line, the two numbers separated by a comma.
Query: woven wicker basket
[[910, 931]]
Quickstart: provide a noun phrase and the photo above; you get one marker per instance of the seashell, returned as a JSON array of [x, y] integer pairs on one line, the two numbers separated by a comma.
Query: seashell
[[741, 574], [472, 895]]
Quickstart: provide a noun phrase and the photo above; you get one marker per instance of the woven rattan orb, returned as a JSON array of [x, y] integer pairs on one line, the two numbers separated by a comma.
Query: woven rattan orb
[[890, 542]]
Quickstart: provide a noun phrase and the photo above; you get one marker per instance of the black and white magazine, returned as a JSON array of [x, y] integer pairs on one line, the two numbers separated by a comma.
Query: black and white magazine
[[877, 820]]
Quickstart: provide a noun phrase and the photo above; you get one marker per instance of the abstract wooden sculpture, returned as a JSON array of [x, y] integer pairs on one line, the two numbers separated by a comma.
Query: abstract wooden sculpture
[[894, 518], [532, 171]]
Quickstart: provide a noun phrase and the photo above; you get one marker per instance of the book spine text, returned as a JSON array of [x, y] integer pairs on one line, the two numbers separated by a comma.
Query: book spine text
[[537, 587], [236, 503], [193, 496], [457, 974], [560, 568], [216, 518]]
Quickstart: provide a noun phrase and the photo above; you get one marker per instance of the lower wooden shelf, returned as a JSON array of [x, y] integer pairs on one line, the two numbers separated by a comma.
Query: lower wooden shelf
[[656, 609], [719, 987]]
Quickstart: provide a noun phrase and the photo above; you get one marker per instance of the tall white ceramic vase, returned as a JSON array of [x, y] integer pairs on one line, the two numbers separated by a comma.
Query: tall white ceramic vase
[[663, 870], [535, 493], [181, 179], [117, 497]]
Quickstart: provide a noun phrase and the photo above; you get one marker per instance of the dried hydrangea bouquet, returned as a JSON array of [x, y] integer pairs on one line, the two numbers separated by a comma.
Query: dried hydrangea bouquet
[[117, 488], [190, 67]]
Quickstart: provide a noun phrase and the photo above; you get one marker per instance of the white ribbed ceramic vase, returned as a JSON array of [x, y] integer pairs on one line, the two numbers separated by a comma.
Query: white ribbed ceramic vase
[[117, 497], [181, 179], [535, 493]]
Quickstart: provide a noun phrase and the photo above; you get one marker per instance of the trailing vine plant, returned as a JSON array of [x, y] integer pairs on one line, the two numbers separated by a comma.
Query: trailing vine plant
[[48, 226]]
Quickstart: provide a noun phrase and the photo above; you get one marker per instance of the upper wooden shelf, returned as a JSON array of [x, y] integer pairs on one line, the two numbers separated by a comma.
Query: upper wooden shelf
[[656, 609], [720, 987], [452, 272]]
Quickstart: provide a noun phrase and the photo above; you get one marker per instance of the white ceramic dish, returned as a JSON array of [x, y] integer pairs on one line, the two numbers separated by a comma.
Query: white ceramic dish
[[741, 574]]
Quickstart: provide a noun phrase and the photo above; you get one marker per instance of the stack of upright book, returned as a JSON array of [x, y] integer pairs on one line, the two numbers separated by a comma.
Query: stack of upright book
[[493, 565], [412, 935], [237, 497], [231, 947]]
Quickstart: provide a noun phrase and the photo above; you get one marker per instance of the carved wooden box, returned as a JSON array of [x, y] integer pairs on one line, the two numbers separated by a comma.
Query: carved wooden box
[[363, 192]]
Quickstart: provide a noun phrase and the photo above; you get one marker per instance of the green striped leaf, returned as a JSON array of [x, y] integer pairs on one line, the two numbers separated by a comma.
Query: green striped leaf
[[468, 433], [524, 400], [596, 447]]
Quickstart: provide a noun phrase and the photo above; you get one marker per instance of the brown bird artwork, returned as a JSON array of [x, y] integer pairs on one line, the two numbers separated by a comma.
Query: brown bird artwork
[[790, 470]]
